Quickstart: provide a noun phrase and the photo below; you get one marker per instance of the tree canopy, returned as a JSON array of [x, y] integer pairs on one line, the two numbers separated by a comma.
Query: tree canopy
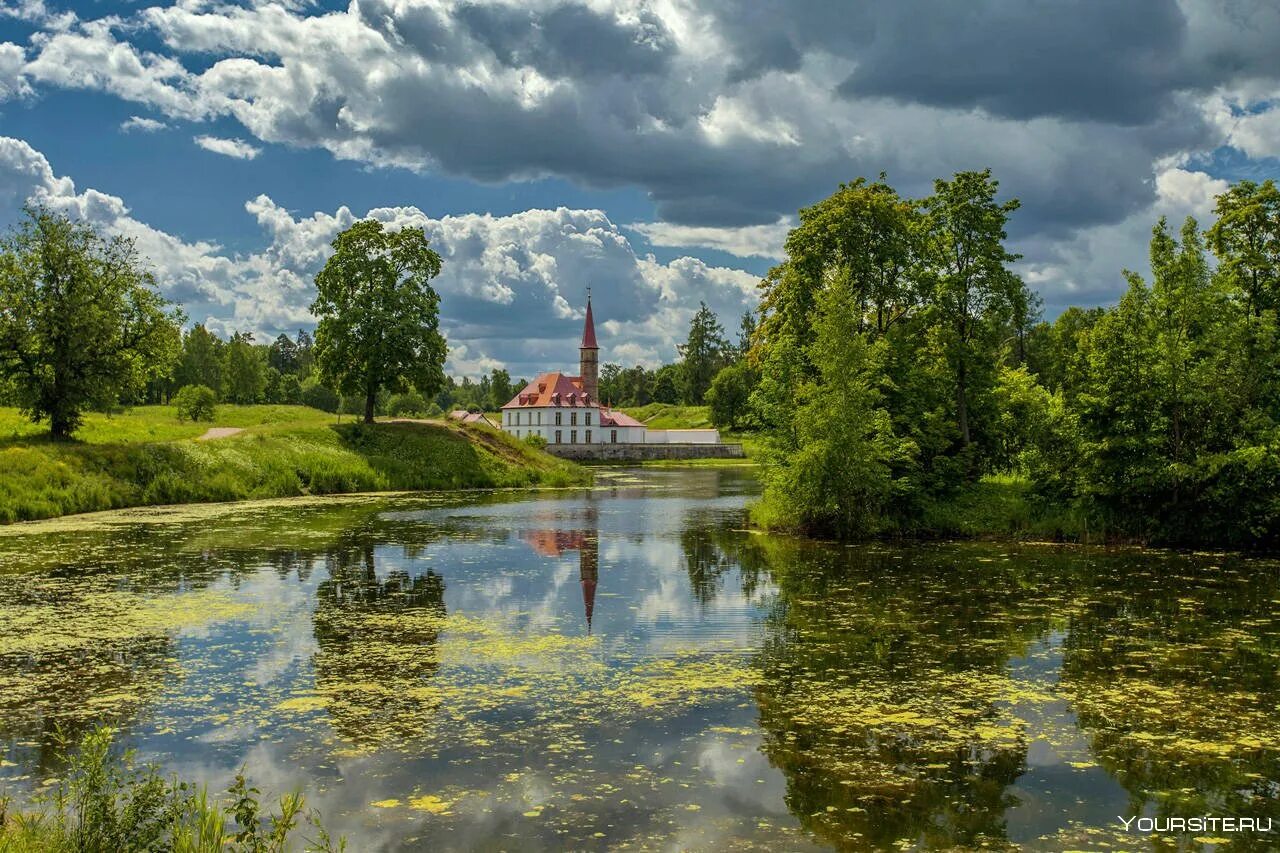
[[378, 314], [82, 323]]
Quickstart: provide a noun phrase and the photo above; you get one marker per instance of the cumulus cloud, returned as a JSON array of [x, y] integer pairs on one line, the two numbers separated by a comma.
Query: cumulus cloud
[[728, 114], [748, 241], [236, 148], [144, 125], [512, 290], [13, 82]]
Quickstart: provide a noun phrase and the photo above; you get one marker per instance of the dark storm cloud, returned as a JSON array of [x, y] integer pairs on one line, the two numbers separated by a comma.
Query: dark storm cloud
[[725, 113], [569, 40]]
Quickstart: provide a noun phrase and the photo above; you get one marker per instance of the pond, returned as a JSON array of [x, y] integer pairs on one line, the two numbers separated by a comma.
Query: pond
[[629, 667]]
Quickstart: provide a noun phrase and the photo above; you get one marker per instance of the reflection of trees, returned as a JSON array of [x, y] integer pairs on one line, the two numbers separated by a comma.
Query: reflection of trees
[[711, 549], [1172, 668], [377, 648], [885, 692]]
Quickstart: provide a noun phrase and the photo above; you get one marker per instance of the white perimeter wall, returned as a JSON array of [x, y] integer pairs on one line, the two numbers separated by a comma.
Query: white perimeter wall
[[683, 436], [528, 424]]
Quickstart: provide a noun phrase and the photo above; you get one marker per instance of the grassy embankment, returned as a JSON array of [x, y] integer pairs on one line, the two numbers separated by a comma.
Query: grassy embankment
[[147, 456]]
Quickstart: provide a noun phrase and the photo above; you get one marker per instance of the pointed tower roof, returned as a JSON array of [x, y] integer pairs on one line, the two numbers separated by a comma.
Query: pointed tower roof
[[589, 328], [589, 598]]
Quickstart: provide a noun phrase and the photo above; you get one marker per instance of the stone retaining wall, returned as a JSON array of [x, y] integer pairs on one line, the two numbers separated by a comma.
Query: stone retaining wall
[[644, 452]]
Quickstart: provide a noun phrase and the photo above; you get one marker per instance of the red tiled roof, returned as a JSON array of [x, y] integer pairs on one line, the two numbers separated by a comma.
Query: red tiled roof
[[589, 330], [552, 389], [553, 543], [608, 417]]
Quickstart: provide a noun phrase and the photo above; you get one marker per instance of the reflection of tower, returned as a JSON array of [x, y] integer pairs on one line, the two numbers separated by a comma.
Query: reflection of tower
[[589, 569], [553, 543]]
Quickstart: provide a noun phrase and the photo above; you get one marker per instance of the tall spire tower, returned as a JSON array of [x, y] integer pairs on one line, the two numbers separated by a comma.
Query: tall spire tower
[[589, 355]]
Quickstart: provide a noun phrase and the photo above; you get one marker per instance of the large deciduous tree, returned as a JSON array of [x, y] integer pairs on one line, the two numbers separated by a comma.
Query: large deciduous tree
[[972, 288], [379, 316], [81, 320]]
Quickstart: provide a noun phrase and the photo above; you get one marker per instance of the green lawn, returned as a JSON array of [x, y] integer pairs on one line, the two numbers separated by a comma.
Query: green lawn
[[160, 423], [671, 416], [148, 457]]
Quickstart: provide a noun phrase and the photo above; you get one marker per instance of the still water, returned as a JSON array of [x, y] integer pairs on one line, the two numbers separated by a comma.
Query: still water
[[629, 667]]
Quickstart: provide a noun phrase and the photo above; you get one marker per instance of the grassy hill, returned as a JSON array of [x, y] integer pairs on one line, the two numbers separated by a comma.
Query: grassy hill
[[672, 416], [147, 456]]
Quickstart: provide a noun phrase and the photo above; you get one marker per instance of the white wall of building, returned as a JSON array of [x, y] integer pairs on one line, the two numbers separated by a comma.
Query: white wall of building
[[683, 436], [575, 422]]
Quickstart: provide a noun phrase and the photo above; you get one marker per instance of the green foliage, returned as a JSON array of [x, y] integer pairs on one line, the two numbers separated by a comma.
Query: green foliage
[[244, 371], [83, 323], [409, 404], [105, 802], [317, 395], [195, 403], [201, 360], [702, 355], [971, 292], [379, 316], [729, 396], [844, 473], [535, 441]]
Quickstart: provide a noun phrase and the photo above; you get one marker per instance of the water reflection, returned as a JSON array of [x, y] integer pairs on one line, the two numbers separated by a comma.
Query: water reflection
[[627, 666]]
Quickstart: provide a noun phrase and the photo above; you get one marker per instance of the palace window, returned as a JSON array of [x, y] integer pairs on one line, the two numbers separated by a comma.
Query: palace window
[[557, 436], [558, 415], [573, 418], [588, 418], [539, 418], [588, 436], [613, 436], [573, 436]]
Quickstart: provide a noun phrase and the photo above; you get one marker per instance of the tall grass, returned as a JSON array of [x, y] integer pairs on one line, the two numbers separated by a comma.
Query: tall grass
[[104, 802]]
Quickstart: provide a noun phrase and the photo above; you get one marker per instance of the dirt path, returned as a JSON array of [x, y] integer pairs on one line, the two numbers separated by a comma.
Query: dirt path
[[219, 432]]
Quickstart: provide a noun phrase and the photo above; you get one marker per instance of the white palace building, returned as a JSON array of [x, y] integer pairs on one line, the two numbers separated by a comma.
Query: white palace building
[[566, 410]]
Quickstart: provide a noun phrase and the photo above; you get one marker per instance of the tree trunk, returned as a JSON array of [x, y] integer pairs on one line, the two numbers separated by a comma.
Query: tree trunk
[[59, 427], [370, 398]]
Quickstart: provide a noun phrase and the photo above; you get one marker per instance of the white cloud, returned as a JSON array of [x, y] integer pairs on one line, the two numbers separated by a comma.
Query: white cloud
[[139, 123], [13, 83], [748, 241], [512, 288], [724, 120], [237, 148], [1087, 268]]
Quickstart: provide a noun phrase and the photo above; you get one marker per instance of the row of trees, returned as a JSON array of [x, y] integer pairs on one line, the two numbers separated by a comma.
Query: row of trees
[[900, 360], [83, 327]]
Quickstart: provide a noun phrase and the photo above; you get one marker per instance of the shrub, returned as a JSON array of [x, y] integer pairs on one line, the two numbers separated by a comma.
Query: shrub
[[195, 403], [318, 396], [411, 403], [535, 440], [105, 801]]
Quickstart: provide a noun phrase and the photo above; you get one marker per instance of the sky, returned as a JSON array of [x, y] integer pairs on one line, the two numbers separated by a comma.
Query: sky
[[656, 151]]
